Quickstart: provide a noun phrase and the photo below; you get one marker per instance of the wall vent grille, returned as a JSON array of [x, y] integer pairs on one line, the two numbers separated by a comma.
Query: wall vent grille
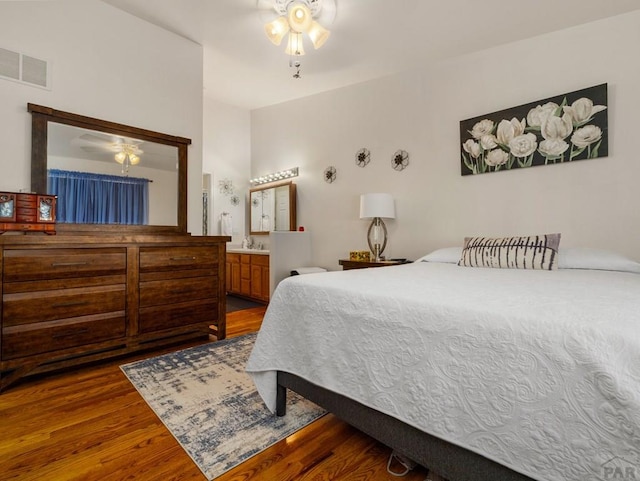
[[24, 69]]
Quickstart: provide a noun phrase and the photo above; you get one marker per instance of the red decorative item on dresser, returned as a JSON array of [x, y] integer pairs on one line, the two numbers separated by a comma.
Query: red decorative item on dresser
[[27, 212]]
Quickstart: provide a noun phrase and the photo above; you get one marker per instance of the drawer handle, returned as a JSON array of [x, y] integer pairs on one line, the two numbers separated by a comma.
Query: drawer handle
[[63, 264], [58, 335], [181, 292], [183, 258], [71, 304]]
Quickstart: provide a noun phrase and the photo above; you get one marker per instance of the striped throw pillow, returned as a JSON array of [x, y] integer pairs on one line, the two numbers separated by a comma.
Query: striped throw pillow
[[531, 252]]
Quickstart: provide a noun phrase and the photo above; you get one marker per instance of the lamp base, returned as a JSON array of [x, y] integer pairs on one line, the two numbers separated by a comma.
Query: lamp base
[[376, 253], [373, 238]]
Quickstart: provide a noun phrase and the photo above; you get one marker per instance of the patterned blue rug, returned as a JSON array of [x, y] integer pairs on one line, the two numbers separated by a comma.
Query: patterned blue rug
[[210, 404]]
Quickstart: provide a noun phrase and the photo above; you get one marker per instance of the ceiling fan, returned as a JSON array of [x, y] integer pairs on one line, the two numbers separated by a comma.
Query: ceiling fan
[[96, 142], [126, 151]]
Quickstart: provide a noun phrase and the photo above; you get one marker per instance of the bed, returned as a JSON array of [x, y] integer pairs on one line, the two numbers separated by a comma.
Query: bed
[[475, 373]]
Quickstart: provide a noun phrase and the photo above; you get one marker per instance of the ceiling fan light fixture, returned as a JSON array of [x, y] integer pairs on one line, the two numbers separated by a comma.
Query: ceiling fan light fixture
[[299, 17], [295, 18], [318, 34], [121, 158], [127, 155], [294, 44], [276, 30]]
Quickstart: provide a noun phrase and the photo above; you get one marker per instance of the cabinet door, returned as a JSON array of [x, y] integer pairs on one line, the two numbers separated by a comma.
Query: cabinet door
[[235, 277], [233, 273], [245, 274], [260, 277], [265, 284], [256, 281]]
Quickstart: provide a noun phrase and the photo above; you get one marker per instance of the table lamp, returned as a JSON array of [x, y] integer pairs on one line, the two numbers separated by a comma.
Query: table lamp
[[377, 207]]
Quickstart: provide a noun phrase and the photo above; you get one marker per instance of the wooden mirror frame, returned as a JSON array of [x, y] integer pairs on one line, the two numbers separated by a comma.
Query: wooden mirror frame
[[40, 118], [292, 205]]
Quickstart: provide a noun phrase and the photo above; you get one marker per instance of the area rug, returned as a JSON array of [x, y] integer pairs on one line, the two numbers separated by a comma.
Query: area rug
[[211, 406]]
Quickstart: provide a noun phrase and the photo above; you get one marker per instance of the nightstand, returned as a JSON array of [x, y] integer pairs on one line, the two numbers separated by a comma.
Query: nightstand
[[349, 264]]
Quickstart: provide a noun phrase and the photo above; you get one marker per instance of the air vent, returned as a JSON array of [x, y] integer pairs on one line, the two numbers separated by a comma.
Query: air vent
[[24, 69]]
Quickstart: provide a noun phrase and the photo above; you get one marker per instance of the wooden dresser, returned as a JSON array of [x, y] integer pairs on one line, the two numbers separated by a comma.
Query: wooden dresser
[[71, 299]]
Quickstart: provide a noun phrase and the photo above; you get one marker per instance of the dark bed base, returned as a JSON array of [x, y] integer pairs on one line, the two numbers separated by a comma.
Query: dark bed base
[[446, 459]]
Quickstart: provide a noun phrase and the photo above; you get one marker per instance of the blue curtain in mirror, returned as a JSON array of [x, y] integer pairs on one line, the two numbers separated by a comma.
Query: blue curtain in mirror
[[87, 198]]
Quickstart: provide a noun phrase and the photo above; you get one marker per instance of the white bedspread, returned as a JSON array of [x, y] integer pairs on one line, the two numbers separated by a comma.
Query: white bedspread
[[537, 370]]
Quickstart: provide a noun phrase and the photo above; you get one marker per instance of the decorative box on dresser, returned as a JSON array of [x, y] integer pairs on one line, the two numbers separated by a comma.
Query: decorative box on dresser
[[71, 299]]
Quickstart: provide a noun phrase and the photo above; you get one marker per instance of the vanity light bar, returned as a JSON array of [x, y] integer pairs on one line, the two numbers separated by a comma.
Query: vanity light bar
[[284, 174]]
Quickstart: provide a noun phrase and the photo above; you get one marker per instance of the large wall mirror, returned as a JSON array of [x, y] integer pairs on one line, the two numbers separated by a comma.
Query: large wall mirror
[[62, 141], [272, 208]]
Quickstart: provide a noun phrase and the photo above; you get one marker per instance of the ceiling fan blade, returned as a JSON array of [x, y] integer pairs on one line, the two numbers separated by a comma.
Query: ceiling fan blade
[[99, 150], [100, 139]]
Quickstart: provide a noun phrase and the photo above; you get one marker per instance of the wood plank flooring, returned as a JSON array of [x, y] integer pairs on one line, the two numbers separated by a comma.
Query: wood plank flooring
[[90, 423]]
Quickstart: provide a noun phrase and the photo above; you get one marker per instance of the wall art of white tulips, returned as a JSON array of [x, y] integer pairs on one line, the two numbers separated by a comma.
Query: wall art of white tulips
[[556, 130]]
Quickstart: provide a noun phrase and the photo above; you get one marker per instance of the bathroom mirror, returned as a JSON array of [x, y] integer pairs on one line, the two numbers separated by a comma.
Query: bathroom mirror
[[71, 142], [272, 208]]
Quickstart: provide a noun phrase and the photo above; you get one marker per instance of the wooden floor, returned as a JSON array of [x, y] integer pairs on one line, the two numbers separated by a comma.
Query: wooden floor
[[91, 424]]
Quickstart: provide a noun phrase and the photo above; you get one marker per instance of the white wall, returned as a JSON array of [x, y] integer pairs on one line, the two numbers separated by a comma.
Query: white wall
[[592, 202], [106, 64], [227, 156]]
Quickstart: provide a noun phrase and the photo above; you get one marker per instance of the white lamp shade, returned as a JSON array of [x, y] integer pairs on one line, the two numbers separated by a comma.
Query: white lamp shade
[[318, 34], [294, 45], [377, 205], [276, 30], [299, 17]]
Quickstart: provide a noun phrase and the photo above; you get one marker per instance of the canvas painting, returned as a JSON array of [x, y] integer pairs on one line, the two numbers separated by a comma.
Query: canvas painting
[[555, 130]]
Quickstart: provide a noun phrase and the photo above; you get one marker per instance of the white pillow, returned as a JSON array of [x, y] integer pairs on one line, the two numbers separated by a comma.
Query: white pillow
[[588, 258], [446, 255]]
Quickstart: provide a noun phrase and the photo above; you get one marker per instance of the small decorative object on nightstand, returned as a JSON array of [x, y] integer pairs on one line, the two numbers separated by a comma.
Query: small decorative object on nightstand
[[360, 256]]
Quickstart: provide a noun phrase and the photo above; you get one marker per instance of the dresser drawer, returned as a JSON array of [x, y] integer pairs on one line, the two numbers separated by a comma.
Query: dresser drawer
[[25, 265], [26, 308], [32, 339], [157, 318], [171, 291], [170, 258]]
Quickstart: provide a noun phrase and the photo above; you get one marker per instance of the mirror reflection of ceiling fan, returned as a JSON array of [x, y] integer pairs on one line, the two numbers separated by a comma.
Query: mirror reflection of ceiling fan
[[126, 151]]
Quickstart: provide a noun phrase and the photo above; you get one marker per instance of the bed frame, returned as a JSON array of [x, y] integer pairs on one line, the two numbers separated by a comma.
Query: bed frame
[[448, 460]]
